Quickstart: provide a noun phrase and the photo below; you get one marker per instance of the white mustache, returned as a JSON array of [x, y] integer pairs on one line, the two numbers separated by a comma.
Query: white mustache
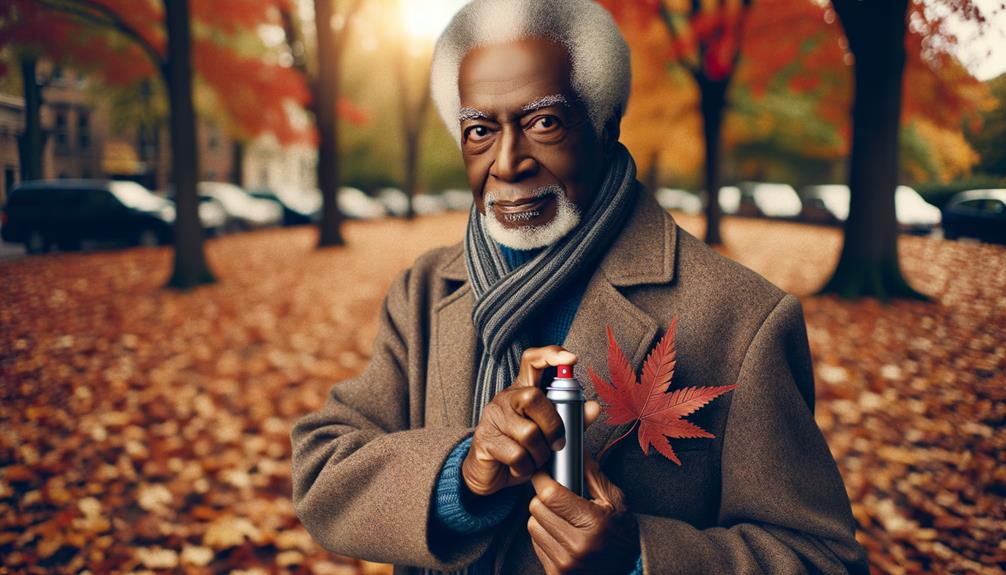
[[492, 197]]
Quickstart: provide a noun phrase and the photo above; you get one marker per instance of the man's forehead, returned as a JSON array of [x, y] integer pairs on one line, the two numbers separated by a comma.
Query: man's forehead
[[514, 74]]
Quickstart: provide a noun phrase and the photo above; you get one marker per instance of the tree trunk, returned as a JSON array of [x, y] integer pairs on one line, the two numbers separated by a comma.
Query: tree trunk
[[190, 261], [413, 119], [326, 94], [868, 264], [238, 160], [31, 144], [713, 95]]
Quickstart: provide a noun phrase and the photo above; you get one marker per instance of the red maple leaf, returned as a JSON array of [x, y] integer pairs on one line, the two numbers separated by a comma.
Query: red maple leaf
[[659, 413]]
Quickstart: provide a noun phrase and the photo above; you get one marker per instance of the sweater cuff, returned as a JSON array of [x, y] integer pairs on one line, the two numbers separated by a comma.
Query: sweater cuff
[[460, 511]]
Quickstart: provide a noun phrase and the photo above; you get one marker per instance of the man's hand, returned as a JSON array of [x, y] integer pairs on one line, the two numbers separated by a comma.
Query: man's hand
[[520, 428], [573, 535]]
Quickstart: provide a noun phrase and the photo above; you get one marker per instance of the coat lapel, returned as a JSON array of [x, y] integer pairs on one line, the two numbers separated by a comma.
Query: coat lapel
[[644, 253]]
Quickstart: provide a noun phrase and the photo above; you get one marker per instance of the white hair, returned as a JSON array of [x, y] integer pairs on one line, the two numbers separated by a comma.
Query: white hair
[[601, 74]]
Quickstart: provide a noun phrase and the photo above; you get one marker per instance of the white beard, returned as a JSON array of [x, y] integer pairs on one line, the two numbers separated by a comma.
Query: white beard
[[529, 237]]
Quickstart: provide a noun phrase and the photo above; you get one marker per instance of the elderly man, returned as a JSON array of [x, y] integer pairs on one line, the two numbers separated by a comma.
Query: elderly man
[[433, 458]]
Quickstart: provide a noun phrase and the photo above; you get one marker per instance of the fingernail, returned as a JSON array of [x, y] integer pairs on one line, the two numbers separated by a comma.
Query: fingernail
[[558, 444]]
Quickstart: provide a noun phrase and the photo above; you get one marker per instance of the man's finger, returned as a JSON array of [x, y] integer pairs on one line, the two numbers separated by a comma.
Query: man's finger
[[512, 454], [535, 359], [535, 405], [560, 529], [543, 557], [601, 488], [556, 553], [591, 411], [571, 507], [529, 435]]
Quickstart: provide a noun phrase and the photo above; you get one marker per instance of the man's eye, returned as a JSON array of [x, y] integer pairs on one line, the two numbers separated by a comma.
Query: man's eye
[[477, 133], [545, 124]]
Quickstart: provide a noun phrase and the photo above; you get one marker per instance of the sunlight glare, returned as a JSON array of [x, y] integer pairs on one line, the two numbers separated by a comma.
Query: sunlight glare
[[427, 18]]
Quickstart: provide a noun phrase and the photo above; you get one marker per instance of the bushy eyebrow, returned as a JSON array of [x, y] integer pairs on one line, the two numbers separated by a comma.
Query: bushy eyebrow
[[545, 102], [471, 114], [467, 113]]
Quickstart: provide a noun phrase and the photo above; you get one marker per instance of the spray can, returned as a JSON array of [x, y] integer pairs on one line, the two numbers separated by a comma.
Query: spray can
[[566, 465]]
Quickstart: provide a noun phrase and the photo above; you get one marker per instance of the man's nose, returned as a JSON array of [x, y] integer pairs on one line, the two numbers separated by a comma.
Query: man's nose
[[513, 162]]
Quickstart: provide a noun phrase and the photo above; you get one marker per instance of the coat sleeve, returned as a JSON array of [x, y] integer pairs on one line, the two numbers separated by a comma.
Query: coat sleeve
[[784, 508], [363, 481]]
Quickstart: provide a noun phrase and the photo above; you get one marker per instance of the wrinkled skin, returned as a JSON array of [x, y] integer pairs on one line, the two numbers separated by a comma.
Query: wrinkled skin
[[511, 152], [514, 439]]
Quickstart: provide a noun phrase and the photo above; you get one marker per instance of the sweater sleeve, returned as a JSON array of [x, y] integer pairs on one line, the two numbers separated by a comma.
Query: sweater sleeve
[[459, 511]]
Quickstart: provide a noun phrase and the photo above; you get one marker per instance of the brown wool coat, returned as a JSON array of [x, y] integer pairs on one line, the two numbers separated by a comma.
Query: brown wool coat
[[764, 496]]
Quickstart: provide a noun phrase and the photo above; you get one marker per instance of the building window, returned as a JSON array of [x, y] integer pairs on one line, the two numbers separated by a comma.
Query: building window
[[60, 133], [83, 129]]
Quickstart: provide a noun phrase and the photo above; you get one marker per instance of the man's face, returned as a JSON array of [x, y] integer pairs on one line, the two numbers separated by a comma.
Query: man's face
[[532, 156]]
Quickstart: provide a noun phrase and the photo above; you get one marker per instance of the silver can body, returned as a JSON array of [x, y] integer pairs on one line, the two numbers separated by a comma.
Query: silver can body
[[566, 465]]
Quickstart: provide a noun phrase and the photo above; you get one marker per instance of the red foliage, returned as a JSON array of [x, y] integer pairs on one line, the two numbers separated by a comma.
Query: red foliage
[[254, 91], [704, 38], [647, 402]]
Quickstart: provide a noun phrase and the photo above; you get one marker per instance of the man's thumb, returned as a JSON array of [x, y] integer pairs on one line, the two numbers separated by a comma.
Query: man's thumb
[[591, 411]]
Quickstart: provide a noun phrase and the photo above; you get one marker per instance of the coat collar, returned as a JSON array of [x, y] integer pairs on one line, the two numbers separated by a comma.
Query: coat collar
[[643, 253]]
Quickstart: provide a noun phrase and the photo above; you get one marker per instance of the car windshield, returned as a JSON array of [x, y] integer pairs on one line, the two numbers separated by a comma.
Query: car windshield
[[136, 196]]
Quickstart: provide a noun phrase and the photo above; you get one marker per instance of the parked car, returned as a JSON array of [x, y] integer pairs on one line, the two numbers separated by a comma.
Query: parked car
[[765, 200], [729, 199], [826, 204], [299, 207], [426, 204], [395, 201], [830, 204], [976, 213], [914, 213], [65, 213], [681, 200], [458, 200], [356, 204], [244, 212]]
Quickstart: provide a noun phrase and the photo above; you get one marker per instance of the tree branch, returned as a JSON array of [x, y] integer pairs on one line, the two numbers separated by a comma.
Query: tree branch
[[668, 19], [99, 15]]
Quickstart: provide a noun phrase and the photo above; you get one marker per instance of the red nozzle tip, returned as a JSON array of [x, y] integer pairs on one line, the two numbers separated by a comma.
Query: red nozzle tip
[[565, 371]]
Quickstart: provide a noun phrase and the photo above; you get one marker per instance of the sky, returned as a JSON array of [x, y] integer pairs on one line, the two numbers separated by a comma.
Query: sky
[[984, 55]]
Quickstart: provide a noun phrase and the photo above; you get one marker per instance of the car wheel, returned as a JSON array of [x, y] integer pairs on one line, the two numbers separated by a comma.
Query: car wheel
[[37, 243], [148, 238]]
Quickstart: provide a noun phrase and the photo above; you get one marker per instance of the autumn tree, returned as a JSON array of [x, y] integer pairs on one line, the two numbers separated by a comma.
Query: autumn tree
[[317, 54], [880, 43], [705, 38], [125, 42]]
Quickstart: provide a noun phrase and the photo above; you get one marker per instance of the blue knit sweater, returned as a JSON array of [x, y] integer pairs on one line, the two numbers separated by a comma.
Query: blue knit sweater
[[457, 510]]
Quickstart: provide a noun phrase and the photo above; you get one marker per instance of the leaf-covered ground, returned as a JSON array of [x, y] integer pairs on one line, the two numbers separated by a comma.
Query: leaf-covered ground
[[143, 429]]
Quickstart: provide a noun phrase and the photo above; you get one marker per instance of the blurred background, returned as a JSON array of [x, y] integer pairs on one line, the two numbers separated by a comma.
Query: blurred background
[[205, 201]]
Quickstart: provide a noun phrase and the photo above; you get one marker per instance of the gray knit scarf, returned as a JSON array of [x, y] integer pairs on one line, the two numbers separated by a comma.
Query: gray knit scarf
[[507, 300]]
